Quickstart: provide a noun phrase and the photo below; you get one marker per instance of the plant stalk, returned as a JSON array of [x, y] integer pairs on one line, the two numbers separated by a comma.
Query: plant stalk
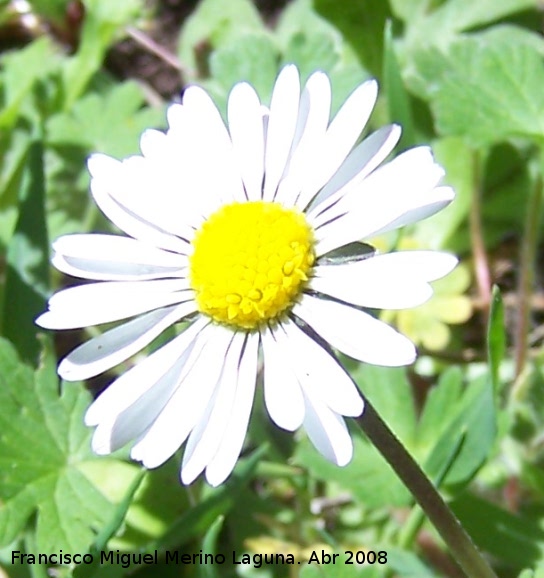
[[527, 275], [481, 265], [444, 520]]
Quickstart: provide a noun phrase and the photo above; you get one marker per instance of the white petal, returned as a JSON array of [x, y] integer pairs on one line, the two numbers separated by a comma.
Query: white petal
[[319, 374], [156, 190], [406, 177], [230, 447], [102, 302], [136, 419], [282, 124], [247, 133], [356, 225], [391, 281], [156, 185], [118, 344], [131, 385], [172, 186], [362, 160], [328, 432], [176, 117], [403, 186], [355, 333], [213, 153], [209, 431], [107, 177], [441, 197], [138, 396], [114, 258], [282, 392], [313, 115], [154, 144], [185, 408], [103, 166], [339, 139], [313, 118]]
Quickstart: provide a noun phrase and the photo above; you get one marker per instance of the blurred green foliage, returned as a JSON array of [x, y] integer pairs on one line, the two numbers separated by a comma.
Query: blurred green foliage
[[466, 77]]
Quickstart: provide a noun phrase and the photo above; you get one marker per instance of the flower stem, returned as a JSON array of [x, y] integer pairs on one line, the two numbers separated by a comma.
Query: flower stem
[[444, 520], [526, 278], [481, 265], [417, 517]]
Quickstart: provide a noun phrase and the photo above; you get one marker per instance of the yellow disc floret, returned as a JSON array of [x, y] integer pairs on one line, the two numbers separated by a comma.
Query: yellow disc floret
[[250, 262]]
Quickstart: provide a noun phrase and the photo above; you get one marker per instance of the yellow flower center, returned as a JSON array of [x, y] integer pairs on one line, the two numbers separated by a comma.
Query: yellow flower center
[[250, 262]]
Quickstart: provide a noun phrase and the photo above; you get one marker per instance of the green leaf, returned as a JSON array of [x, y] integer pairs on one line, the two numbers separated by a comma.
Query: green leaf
[[342, 570], [456, 157], [313, 43], [209, 545], [398, 100], [197, 520], [512, 34], [454, 16], [50, 9], [109, 530], [300, 18], [506, 191], [466, 425], [27, 273], [362, 23], [409, 10], [368, 477], [390, 393], [102, 22], [536, 573], [213, 24], [513, 539], [496, 338], [252, 58], [407, 564], [21, 70], [440, 399], [110, 122], [311, 52], [14, 146], [485, 90], [43, 445]]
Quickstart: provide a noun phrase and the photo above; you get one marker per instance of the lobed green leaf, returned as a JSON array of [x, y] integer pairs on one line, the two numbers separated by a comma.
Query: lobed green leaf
[[43, 445]]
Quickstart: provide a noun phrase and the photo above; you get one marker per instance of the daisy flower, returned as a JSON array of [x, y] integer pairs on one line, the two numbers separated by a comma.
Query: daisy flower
[[249, 232]]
